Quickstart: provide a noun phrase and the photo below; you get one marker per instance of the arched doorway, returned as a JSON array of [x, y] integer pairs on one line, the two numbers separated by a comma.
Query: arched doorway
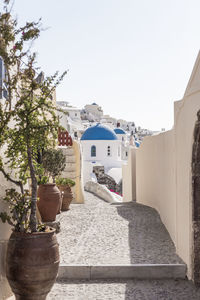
[[196, 201]]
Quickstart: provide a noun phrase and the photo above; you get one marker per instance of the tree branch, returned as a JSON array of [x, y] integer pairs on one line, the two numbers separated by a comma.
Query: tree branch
[[7, 176]]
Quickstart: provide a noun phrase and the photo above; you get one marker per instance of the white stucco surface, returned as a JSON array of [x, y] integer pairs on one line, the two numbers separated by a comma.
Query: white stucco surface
[[102, 192], [129, 176], [101, 158], [116, 174], [101, 151], [163, 170]]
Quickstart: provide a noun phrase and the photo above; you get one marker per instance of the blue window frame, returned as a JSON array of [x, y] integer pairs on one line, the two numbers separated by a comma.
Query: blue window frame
[[93, 151]]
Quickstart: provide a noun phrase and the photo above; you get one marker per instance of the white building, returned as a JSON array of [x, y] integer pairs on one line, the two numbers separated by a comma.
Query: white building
[[70, 119], [108, 120], [122, 136], [122, 123], [94, 112], [100, 146]]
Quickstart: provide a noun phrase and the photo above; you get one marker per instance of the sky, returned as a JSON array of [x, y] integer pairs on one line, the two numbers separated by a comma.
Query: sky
[[132, 57]]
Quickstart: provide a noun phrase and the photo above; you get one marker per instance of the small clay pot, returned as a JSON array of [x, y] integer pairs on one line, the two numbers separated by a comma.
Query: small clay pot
[[67, 196], [50, 201]]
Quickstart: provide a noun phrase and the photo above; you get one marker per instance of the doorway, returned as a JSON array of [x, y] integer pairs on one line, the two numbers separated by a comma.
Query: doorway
[[196, 201]]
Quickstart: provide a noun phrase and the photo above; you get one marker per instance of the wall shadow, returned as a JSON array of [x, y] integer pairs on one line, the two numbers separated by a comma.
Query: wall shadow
[[149, 243]]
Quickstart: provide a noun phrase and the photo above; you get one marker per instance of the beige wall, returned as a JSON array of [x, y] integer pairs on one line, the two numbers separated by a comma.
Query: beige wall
[[129, 176], [73, 169], [155, 171], [163, 170], [79, 173]]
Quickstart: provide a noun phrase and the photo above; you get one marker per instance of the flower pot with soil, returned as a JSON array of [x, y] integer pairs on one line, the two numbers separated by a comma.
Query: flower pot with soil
[[32, 263], [50, 201], [64, 185]]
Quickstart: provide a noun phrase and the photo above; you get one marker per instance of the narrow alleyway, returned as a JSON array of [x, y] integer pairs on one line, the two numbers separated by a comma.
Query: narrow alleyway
[[99, 233]]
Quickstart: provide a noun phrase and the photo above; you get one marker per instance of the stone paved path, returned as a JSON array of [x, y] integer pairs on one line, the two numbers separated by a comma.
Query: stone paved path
[[101, 233], [125, 290]]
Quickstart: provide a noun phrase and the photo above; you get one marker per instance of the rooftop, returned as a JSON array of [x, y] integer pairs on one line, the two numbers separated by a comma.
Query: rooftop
[[99, 132]]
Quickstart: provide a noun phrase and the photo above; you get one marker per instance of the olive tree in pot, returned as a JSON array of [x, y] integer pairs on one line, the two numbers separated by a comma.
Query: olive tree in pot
[[50, 200], [28, 122]]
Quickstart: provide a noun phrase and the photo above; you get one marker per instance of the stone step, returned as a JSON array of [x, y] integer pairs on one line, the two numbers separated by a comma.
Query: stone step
[[70, 167], [70, 159], [132, 271], [68, 174], [68, 151]]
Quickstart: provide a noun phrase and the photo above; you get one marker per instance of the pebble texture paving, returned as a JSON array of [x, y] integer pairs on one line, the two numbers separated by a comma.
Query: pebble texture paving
[[101, 233], [125, 290]]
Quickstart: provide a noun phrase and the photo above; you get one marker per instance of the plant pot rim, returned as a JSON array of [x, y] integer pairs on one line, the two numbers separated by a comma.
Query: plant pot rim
[[31, 234], [64, 185], [47, 184]]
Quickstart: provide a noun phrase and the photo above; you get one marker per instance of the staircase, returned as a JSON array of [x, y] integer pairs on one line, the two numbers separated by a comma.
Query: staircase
[[73, 170]]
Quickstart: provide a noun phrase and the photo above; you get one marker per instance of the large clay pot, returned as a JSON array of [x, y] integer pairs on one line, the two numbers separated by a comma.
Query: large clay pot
[[50, 201], [67, 196], [32, 264]]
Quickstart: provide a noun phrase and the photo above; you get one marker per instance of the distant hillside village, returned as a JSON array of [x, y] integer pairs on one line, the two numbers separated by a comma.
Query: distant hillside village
[[104, 142], [76, 121]]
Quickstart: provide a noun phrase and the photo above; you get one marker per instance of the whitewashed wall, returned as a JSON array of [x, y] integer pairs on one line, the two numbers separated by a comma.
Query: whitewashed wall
[[163, 170], [101, 151], [114, 160], [129, 176]]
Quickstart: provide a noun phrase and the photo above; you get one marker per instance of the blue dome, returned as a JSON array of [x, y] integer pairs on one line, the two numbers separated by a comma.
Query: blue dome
[[99, 132], [119, 131], [137, 144]]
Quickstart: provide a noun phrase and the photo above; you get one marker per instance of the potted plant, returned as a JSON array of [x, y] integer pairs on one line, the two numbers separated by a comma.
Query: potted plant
[[64, 185], [28, 122], [53, 162]]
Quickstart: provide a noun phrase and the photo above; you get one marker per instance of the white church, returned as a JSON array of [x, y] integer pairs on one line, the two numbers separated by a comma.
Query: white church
[[100, 147]]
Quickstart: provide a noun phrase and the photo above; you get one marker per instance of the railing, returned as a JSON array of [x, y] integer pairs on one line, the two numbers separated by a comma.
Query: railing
[[64, 139]]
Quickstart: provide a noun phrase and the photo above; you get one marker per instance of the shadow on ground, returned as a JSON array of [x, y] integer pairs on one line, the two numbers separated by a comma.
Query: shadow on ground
[[150, 242], [125, 290]]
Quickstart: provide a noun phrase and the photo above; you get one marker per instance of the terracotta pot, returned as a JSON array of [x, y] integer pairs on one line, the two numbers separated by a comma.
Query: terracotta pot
[[67, 196], [32, 264], [50, 201]]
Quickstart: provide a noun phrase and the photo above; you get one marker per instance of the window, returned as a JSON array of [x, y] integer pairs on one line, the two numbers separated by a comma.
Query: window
[[108, 151], [3, 88], [93, 151]]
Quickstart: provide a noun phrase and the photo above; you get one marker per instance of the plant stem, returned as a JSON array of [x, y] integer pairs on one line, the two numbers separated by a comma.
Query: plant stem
[[33, 220], [7, 176]]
